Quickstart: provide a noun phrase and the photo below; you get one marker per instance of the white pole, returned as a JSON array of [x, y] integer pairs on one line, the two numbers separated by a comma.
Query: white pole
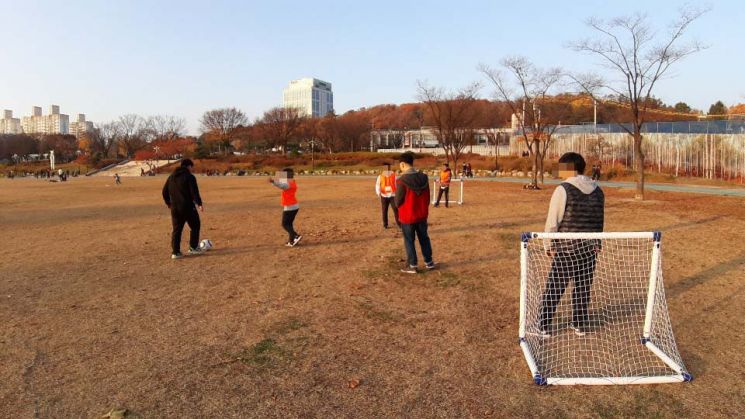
[[653, 271], [523, 286]]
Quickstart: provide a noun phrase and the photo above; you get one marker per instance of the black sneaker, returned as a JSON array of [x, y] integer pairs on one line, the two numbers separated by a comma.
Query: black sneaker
[[430, 265], [409, 269], [297, 240]]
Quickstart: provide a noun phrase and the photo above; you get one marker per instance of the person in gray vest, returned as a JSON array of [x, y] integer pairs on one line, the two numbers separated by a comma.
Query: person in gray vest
[[577, 205]]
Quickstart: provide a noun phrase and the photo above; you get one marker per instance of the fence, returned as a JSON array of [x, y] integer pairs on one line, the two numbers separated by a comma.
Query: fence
[[710, 156], [483, 150]]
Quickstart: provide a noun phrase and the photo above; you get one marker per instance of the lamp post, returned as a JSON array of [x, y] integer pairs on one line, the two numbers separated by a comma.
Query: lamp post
[[313, 156]]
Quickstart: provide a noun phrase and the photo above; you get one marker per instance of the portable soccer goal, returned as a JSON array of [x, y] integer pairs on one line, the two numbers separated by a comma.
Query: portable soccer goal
[[436, 191], [613, 327]]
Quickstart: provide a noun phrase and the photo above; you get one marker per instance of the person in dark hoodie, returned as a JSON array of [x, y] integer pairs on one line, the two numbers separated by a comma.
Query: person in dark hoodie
[[412, 199], [181, 195], [577, 206]]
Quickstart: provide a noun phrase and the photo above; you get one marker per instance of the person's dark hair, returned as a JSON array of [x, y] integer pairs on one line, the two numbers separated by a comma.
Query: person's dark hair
[[447, 165], [187, 163], [407, 157], [574, 159], [290, 172]]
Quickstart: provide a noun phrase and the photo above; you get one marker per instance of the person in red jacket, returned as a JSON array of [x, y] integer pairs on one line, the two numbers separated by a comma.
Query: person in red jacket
[[290, 205], [412, 199]]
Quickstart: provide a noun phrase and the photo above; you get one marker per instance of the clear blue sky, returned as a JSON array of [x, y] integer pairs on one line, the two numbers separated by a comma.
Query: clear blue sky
[[107, 58]]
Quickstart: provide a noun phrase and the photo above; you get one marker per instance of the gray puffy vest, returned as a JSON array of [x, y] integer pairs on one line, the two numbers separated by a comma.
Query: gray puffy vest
[[584, 213]]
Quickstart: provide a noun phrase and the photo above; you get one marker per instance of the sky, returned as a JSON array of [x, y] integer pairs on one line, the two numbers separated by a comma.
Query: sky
[[108, 58]]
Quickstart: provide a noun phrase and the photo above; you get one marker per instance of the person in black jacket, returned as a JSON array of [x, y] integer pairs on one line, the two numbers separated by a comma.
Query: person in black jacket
[[181, 195]]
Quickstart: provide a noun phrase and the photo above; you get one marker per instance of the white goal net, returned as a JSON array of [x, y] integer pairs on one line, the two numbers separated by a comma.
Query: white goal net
[[451, 193], [593, 310]]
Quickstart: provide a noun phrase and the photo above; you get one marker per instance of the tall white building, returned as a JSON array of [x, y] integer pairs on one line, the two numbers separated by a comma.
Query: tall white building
[[10, 125], [80, 126], [314, 97], [54, 123]]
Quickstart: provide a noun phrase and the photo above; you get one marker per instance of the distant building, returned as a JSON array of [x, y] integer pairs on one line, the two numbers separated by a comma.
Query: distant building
[[312, 96], [10, 125], [80, 126], [54, 123]]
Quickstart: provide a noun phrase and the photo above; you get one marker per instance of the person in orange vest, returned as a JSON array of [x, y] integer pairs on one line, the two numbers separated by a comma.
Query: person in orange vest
[[385, 188], [445, 177], [290, 206]]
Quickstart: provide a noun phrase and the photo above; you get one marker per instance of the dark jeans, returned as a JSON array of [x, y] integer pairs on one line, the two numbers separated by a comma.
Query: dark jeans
[[384, 203], [446, 190], [577, 266], [178, 219], [288, 217], [411, 231]]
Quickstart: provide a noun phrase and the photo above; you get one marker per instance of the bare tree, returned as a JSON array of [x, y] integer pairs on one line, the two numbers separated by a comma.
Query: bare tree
[[636, 58], [282, 125], [133, 134], [222, 123], [166, 127], [453, 114], [102, 139], [527, 91]]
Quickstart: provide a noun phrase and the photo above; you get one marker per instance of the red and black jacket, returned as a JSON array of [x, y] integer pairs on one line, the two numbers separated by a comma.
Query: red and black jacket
[[412, 197]]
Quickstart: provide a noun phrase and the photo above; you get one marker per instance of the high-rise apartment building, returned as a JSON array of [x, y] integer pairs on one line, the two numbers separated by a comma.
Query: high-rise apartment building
[[80, 126], [54, 123], [312, 96], [10, 125]]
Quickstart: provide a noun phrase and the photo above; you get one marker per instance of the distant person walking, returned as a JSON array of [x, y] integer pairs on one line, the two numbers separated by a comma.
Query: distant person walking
[[117, 179], [181, 195], [385, 188], [290, 206], [596, 172], [445, 177], [412, 200]]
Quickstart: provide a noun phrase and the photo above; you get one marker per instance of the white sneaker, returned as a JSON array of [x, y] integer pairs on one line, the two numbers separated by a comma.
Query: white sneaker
[[177, 256], [297, 240], [409, 270], [579, 331], [193, 252]]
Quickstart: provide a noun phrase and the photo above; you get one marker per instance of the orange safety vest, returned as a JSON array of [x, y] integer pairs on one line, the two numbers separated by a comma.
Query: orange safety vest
[[445, 176], [388, 183], [288, 195]]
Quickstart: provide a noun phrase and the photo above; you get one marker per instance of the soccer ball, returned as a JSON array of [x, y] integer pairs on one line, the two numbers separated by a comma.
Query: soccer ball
[[205, 244]]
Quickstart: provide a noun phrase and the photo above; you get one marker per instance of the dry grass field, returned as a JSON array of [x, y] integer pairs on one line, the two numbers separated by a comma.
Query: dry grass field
[[96, 316]]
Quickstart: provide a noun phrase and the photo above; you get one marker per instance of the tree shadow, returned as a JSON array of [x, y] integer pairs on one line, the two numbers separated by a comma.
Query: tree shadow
[[699, 278]]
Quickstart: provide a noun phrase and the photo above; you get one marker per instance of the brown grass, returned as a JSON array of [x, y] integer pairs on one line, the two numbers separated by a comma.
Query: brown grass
[[96, 316]]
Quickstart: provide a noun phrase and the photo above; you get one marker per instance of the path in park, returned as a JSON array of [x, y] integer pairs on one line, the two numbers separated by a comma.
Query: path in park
[[664, 187]]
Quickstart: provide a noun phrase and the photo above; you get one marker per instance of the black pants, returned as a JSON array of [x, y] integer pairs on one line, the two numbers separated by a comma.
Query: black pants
[[446, 190], [384, 203], [178, 219], [579, 267], [288, 217]]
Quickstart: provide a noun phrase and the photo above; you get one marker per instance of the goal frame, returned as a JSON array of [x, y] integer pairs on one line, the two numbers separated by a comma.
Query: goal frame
[[436, 190], [645, 336]]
